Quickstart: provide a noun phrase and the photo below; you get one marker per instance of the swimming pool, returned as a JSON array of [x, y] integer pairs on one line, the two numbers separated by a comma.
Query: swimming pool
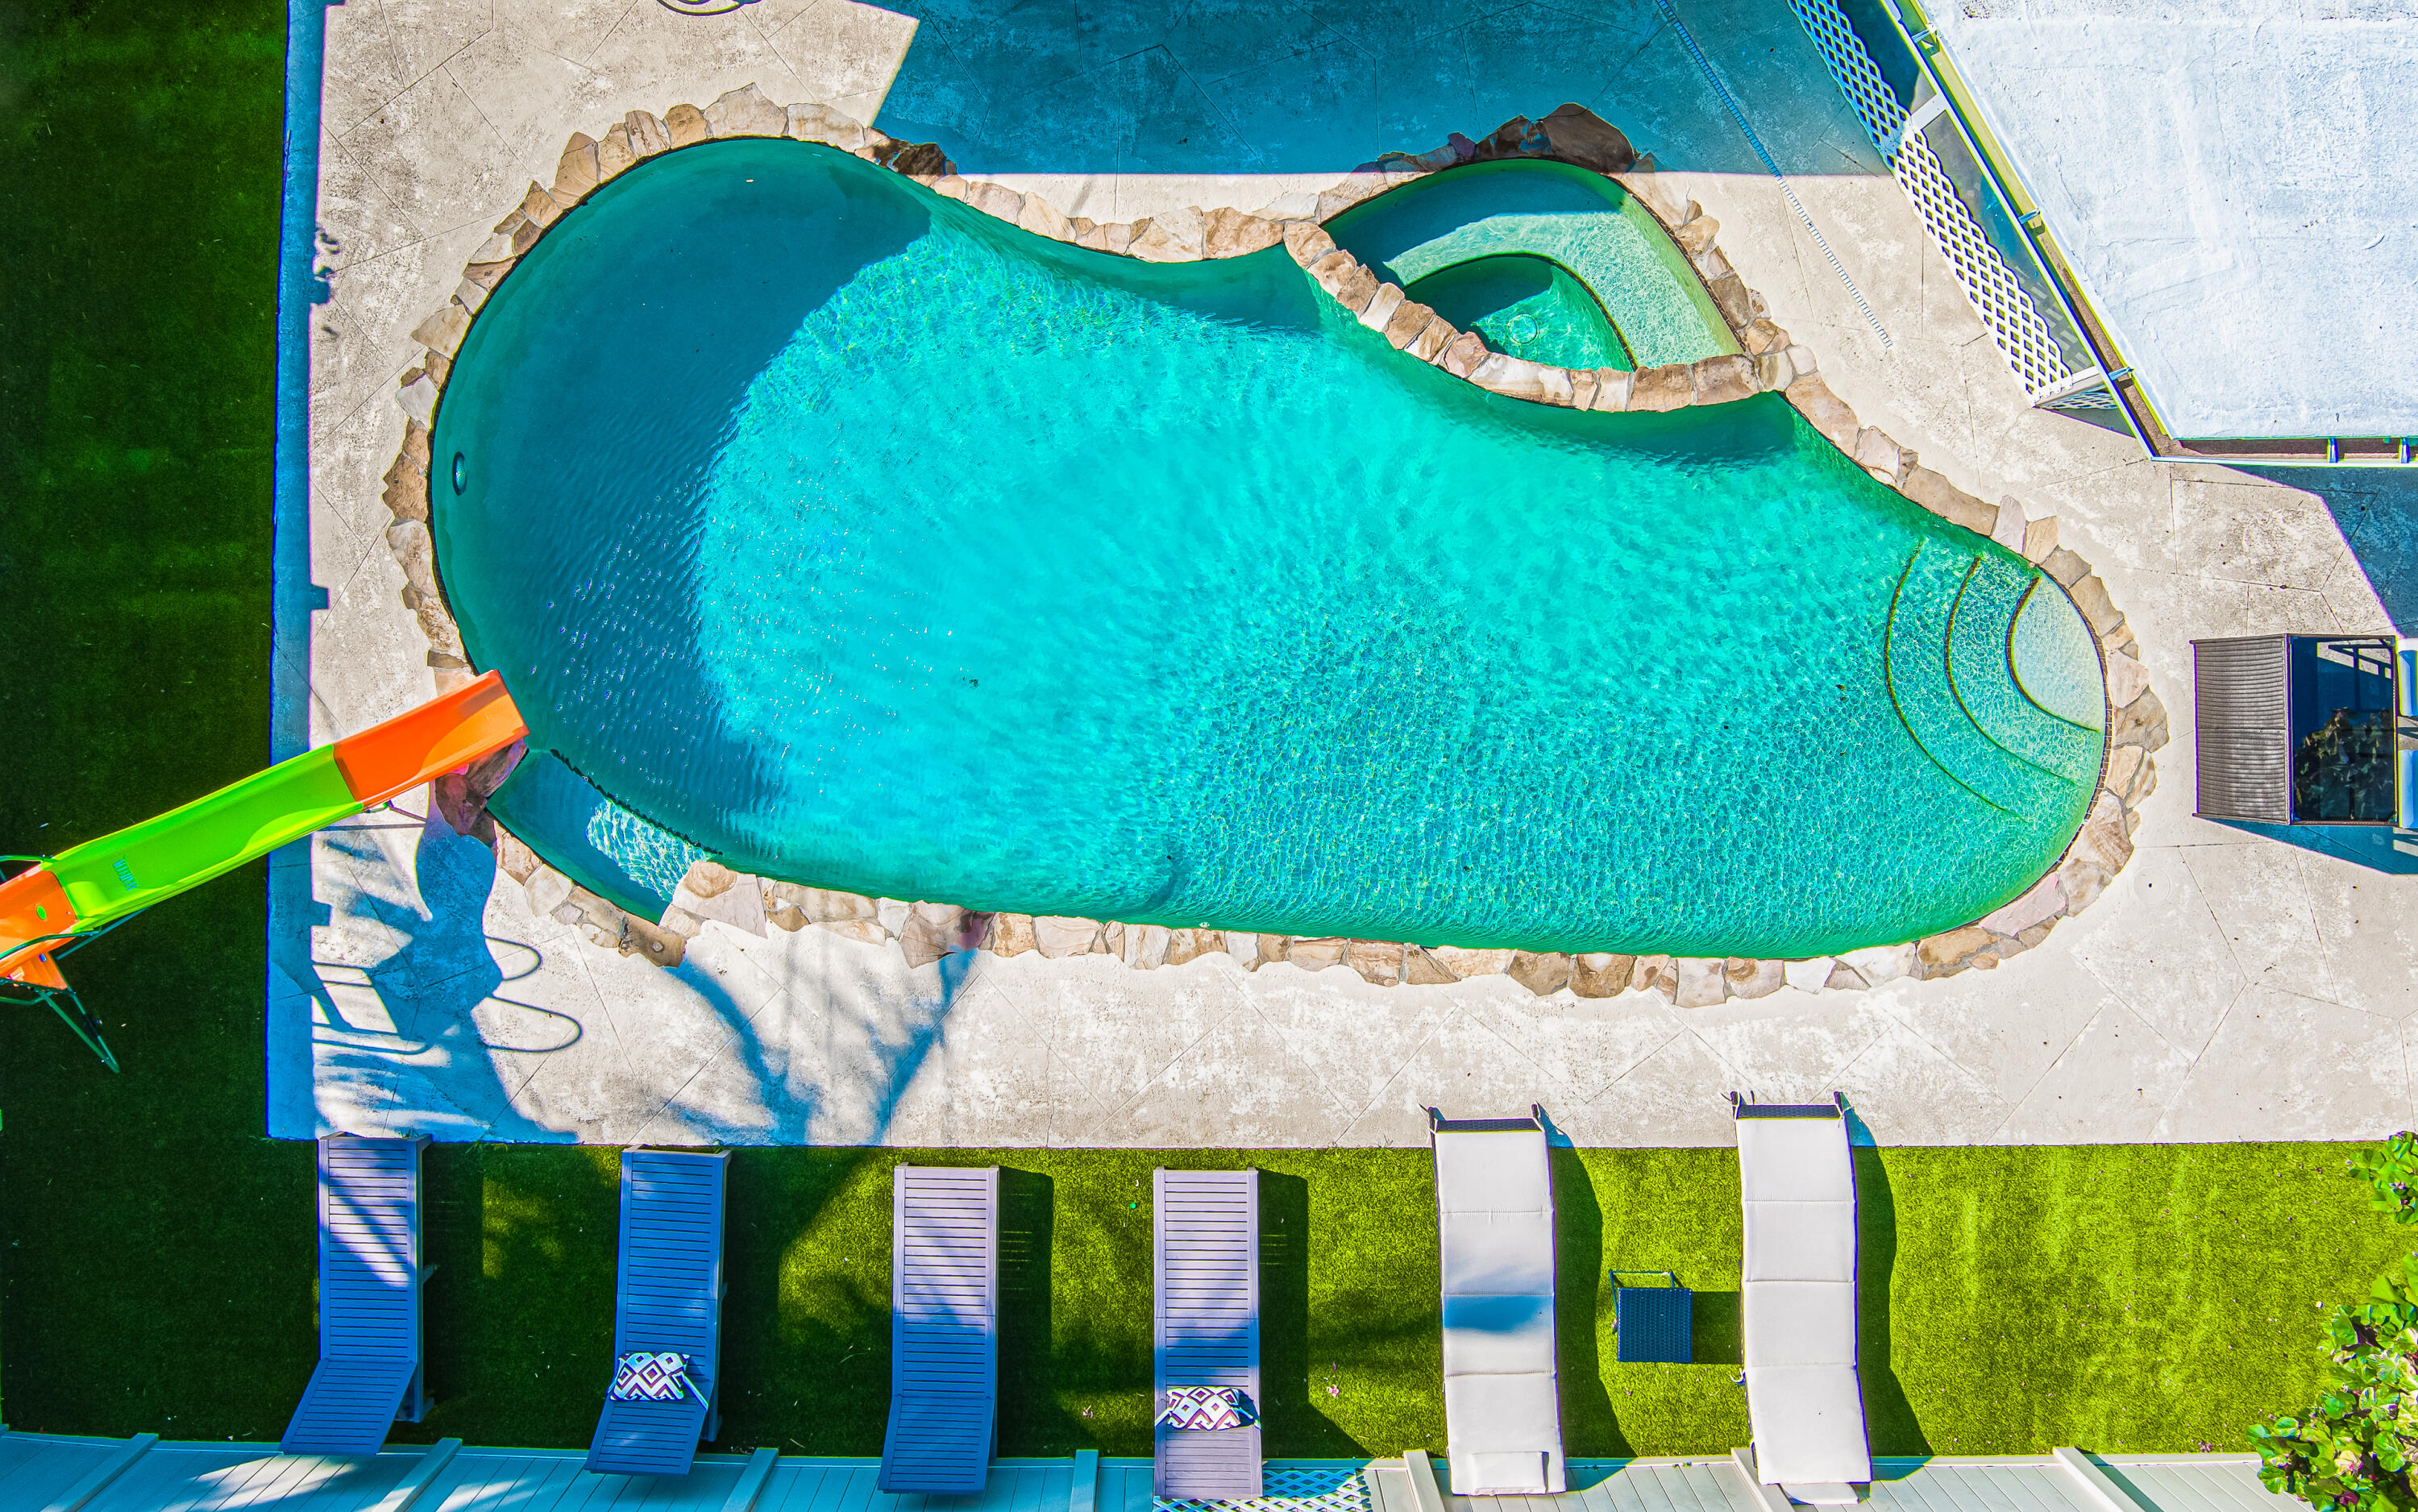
[[838, 531]]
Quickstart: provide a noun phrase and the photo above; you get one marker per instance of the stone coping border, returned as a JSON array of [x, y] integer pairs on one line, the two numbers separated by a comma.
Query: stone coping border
[[2135, 723]]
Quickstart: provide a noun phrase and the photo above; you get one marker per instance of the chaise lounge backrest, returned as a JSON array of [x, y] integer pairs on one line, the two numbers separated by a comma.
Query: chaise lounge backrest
[[1205, 1329], [369, 1372], [943, 1330], [667, 1299], [1804, 1400], [1502, 1383]]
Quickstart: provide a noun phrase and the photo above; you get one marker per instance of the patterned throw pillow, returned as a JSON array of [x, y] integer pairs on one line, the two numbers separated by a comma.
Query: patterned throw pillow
[[649, 1378], [1205, 1408]]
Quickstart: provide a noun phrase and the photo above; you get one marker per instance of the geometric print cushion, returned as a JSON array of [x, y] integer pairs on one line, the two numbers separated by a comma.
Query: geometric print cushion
[[649, 1378], [1205, 1407]]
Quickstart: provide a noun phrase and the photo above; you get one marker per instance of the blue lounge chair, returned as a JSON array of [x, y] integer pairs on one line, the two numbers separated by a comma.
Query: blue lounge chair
[[369, 1372], [1205, 1264], [667, 1299], [943, 1330]]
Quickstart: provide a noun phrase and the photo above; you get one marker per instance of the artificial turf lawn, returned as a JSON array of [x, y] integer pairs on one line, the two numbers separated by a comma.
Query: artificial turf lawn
[[139, 171], [2134, 1298], [156, 1252]]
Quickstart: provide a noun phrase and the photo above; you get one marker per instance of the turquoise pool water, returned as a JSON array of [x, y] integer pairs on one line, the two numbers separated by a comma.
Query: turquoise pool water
[[1449, 236], [853, 537]]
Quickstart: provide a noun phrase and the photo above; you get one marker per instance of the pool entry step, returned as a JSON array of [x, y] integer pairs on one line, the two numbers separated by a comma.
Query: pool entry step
[[1951, 656]]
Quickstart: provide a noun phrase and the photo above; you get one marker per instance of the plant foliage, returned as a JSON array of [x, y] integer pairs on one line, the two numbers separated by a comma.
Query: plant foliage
[[2353, 1449], [2393, 1172]]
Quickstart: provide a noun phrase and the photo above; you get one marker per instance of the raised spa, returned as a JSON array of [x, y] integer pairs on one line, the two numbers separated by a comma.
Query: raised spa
[[841, 533]]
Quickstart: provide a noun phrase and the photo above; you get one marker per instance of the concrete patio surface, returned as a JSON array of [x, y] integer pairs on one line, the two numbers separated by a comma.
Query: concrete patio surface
[[2229, 986]]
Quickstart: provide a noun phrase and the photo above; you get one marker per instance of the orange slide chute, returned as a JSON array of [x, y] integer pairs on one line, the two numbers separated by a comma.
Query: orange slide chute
[[85, 890]]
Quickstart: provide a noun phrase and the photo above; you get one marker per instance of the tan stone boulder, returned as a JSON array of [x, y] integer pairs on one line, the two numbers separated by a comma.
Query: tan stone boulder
[[1749, 977], [2127, 679], [1381, 307], [1231, 232], [2091, 597], [1409, 321], [1170, 237], [2141, 722], [1429, 345], [1543, 973], [686, 126], [745, 111], [712, 890], [1879, 455], [652, 944], [1463, 354], [1464, 962], [1663, 389], [1316, 954], [1824, 411], [1306, 241], [863, 931], [1601, 974], [2043, 900], [1043, 218], [614, 156], [1059, 937], [1516, 377], [1379, 962], [646, 133], [1720, 380], [1933, 492], [820, 905], [1877, 964], [1191, 944], [577, 176], [443, 331], [1010, 933], [1703, 982], [1612, 387], [1421, 968], [821, 123], [1945, 955], [996, 201], [1146, 946]]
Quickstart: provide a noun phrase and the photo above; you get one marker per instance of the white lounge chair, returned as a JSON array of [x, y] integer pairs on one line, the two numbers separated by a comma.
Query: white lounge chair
[[1805, 1402], [1501, 1386]]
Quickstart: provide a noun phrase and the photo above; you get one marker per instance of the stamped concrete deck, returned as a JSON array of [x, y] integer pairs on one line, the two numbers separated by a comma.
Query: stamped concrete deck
[[2230, 985]]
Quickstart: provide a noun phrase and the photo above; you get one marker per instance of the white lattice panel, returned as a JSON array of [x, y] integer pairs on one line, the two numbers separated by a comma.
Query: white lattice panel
[[2003, 302]]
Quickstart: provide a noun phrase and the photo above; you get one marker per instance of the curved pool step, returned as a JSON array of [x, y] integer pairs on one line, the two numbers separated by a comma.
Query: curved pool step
[[1982, 674], [1916, 652]]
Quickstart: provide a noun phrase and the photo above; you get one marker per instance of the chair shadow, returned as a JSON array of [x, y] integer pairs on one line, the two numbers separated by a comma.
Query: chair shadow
[[1290, 1420], [1581, 1293], [1718, 1336], [1889, 1420], [1030, 1409]]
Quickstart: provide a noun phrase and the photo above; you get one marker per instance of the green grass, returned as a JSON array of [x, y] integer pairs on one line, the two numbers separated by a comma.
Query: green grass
[[138, 233], [2123, 1298], [156, 1252]]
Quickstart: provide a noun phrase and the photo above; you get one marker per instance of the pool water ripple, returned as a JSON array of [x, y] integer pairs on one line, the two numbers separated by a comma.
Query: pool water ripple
[[856, 539]]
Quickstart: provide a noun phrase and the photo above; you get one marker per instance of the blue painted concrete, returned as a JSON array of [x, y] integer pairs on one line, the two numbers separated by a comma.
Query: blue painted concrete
[[1192, 86]]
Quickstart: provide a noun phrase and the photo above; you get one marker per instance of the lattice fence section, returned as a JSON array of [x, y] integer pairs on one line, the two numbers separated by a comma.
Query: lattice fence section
[[1290, 1489], [1997, 296]]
